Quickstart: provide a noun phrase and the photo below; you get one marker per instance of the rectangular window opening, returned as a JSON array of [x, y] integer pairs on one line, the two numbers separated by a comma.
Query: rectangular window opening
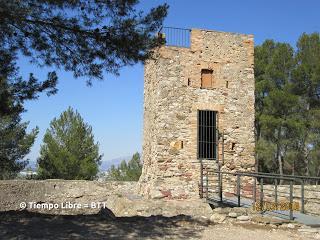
[[207, 80], [207, 134]]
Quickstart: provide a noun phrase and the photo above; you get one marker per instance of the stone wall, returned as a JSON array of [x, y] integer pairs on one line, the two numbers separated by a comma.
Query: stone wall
[[119, 197], [172, 98], [14, 192]]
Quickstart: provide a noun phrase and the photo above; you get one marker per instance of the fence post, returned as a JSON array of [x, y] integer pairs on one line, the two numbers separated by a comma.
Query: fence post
[[238, 189], [201, 179], [207, 183], [302, 196], [222, 151], [276, 192], [220, 186], [261, 194], [291, 200], [254, 191]]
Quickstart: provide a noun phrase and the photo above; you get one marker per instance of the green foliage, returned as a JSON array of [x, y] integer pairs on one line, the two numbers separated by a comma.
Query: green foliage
[[15, 144], [287, 106], [130, 171], [68, 149], [83, 36]]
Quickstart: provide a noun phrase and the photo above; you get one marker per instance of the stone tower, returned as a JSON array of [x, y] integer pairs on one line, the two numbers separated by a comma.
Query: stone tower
[[198, 106]]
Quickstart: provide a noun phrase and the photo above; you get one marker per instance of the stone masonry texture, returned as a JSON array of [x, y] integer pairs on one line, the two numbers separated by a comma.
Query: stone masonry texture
[[172, 98]]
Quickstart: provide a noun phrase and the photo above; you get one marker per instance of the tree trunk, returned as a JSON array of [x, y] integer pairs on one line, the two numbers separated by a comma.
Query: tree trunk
[[306, 160], [280, 166], [258, 135], [318, 174], [293, 167], [278, 157]]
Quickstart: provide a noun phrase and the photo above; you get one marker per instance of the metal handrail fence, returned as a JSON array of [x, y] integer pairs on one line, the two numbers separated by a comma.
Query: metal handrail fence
[[259, 179]]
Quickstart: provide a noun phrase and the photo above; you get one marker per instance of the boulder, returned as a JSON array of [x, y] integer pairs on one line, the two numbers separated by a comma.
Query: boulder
[[261, 219], [217, 218], [240, 210], [222, 210], [243, 218], [308, 230], [232, 215], [290, 225]]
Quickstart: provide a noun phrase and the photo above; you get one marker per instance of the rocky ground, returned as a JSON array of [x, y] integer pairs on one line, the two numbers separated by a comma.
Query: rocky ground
[[25, 225], [128, 215]]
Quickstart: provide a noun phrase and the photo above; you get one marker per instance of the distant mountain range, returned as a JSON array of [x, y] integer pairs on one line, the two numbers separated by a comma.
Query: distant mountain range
[[105, 165]]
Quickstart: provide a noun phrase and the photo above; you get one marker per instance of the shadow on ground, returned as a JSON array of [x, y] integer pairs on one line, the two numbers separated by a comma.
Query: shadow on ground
[[27, 225]]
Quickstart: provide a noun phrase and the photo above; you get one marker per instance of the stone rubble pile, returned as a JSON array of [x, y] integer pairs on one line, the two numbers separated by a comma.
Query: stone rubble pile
[[240, 215]]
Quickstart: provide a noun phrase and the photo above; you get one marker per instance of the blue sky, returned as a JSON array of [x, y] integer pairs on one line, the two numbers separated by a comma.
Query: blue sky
[[114, 107]]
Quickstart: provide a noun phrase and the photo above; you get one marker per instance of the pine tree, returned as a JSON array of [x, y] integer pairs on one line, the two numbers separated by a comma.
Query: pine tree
[[85, 37], [130, 171], [275, 105], [68, 149], [15, 144], [306, 84], [288, 106]]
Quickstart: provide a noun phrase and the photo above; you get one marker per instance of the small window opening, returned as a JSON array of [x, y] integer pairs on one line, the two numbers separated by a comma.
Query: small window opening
[[189, 82], [233, 145], [207, 80], [227, 84]]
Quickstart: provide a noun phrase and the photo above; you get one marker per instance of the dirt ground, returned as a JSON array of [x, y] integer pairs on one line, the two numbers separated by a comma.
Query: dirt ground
[[25, 225]]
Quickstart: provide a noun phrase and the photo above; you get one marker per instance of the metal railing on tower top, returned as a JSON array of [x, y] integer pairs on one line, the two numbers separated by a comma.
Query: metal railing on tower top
[[178, 37]]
